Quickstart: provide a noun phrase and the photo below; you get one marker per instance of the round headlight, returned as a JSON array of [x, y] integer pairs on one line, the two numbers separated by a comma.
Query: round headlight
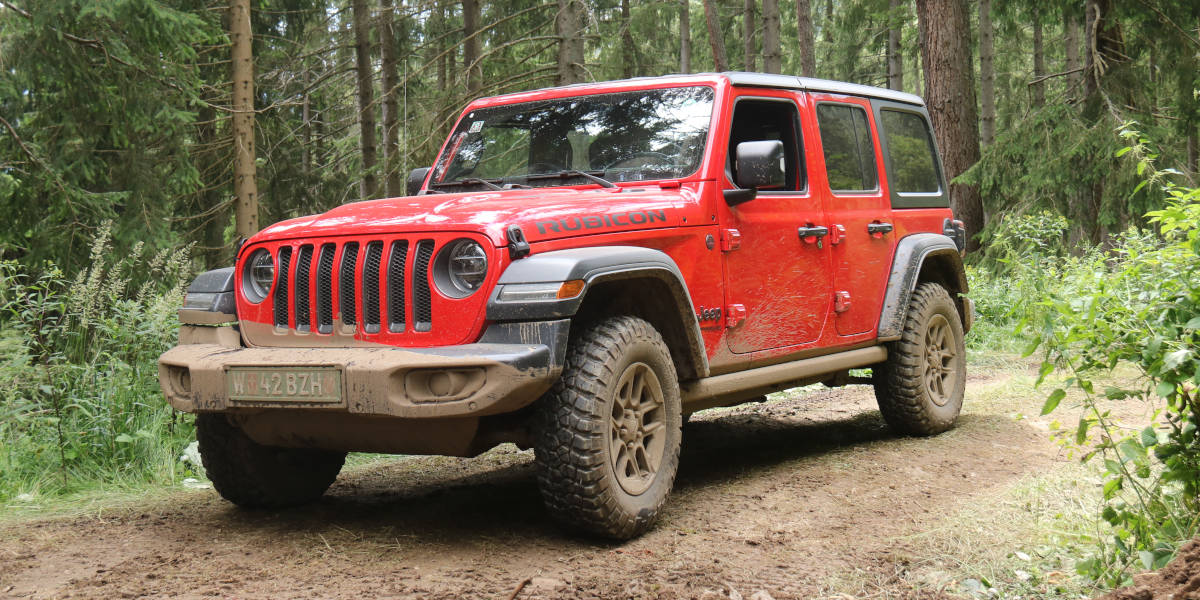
[[258, 275], [461, 268]]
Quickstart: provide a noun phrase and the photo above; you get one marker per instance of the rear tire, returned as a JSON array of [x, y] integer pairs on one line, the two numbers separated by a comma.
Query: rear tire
[[252, 475], [920, 387], [608, 433]]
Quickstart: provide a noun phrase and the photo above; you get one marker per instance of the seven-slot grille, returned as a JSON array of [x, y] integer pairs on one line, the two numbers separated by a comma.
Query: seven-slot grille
[[381, 281]]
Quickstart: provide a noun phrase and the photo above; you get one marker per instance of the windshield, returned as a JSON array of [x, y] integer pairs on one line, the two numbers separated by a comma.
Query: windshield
[[627, 136]]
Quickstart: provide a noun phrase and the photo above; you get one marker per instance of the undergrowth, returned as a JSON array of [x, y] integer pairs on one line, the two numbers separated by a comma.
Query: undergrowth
[[1133, 304], [80, 405]]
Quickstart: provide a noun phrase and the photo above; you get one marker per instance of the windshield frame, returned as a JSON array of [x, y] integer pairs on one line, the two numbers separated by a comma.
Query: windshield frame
[[453, 140]]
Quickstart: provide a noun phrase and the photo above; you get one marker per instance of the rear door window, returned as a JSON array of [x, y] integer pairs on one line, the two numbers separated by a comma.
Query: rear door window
[[910, 153], [848, 146]]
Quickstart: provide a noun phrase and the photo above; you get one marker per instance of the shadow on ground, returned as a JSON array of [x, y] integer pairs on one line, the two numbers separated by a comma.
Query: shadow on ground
[[446, 500]]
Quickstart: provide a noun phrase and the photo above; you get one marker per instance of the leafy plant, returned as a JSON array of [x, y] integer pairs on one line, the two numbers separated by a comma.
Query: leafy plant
[[79, 397], [1138, 304]]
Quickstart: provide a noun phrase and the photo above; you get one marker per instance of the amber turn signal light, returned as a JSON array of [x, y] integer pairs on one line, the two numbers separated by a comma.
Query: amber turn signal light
[[570, 289]]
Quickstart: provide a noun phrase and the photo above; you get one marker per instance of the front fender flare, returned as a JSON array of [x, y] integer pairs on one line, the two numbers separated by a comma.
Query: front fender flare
[[596, 265]]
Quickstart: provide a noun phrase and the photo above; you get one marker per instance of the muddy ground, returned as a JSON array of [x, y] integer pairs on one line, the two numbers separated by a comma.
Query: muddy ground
[[788, 499]]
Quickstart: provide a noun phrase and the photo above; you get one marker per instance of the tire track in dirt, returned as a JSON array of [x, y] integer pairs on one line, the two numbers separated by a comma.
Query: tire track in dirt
[[777, 498]]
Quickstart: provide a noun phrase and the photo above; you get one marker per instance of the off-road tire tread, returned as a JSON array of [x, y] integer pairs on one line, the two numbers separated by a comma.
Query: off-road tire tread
[[570, 454], [899, 382], [252, 475]]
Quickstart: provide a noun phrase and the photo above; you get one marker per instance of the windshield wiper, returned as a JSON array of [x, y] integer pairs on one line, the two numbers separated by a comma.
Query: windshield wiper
[[573, 173], [469, 181]]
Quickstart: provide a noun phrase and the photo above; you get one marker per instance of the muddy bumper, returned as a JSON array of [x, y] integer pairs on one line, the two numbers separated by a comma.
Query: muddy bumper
[[471, 380]]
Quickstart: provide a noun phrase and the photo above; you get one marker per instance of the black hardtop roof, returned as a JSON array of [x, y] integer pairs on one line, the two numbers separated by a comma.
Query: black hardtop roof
[[741, 78], [765, 80]]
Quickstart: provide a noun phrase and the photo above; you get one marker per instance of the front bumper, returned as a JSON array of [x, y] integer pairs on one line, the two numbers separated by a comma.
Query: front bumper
[[488, 378]]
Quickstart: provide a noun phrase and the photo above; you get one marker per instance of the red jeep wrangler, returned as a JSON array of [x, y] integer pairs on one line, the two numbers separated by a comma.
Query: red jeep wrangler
[[581, 269]]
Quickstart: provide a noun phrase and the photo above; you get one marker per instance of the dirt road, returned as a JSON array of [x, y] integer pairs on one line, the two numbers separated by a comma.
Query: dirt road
[[788, 499]]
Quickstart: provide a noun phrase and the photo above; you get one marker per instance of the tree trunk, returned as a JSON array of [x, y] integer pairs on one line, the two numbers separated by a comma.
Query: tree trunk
[[918, 79], [1103, 50], [1072, 39], [438, 28], [366, 98], [685, 37], [804, 32], [245, 182], [391, 104], [712, 20], [211, 162], [1105, 47], [772, 52], [895, 58], [827, 35], [1039, 61], [629, 67], [987, 75], [471, 64], [950, 92], [569, 26], [749, 21], [1193, 154]]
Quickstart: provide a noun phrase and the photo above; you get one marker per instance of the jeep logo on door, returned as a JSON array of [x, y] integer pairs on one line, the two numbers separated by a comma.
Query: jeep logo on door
[[634, 217]]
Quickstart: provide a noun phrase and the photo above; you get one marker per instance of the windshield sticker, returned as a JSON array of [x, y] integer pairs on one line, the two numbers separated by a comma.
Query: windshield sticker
[[477, 126], [620, 219]]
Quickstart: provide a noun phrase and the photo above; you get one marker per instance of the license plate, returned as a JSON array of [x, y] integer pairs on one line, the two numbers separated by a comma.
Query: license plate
[[285, 384]]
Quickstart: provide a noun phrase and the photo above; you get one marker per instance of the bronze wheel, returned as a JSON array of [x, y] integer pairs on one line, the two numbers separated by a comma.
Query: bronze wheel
[[607, 443], [940, 372], [638, 438], [920, 386]]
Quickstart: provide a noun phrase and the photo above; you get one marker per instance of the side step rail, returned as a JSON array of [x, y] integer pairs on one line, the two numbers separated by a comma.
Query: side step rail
[[732, 388]]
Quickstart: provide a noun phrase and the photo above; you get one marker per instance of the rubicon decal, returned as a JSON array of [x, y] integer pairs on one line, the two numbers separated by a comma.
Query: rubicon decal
[[633, 217]]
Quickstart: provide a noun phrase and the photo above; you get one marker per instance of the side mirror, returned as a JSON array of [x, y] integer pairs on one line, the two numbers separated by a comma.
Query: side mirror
[[415, 179], [760, 164]]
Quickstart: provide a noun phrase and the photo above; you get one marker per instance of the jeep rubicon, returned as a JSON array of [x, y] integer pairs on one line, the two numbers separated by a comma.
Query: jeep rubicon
[[581, 268]]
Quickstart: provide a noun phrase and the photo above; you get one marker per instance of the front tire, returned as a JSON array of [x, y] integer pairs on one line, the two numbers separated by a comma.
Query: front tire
[[252, 475], [920, 388], [608, 435]]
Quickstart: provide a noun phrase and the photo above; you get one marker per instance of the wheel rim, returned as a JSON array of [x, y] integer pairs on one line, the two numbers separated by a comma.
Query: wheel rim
[[940, 353], [637, 437]]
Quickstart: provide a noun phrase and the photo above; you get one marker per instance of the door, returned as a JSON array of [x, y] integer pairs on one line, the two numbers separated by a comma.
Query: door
[[861, 237], [780, 280]]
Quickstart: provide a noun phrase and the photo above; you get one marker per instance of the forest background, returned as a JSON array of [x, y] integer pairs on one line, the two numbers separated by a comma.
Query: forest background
[[128, 164]]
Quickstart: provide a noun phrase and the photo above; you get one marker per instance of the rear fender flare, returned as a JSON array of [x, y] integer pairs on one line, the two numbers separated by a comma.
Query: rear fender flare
[[922, 257]]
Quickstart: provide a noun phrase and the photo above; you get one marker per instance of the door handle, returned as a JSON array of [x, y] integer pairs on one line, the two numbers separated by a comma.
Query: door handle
[[878, 229], [812, 232]]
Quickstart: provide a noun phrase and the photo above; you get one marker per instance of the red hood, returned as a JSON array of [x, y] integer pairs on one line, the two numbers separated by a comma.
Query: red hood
[[542, 213]]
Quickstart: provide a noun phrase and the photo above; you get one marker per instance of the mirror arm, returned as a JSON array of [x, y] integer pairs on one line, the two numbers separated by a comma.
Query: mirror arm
[[740, 196]]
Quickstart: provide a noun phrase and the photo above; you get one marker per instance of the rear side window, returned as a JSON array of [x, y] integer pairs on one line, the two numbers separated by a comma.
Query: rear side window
[[910, 153], [849, 149]]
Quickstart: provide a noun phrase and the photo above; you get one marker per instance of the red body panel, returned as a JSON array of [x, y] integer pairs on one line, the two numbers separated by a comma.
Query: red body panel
[[786, 286]]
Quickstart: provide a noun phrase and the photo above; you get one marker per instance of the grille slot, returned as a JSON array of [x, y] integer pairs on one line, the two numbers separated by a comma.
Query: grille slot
[[325, 289], [281, 286], [346, 283], [371, 286], [303, 273], [422, 297], [397, 259]]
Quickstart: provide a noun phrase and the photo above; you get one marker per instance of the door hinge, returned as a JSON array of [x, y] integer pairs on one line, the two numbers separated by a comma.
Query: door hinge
[[841, 301], [731, 239], [734, 315]]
